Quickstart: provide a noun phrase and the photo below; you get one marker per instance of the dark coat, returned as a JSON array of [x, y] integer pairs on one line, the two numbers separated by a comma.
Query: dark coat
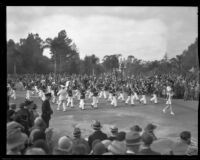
[[96, 135], [46, 110]]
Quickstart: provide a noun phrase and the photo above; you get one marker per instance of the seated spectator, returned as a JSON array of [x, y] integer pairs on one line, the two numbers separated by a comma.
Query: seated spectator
[[136, 129], [98, 134], [35, 151], [114, 131], [133, 142], [145, 149], [40, 143], [117, 148], [181, 147], [64, 146], [11, 112], [16, 140], [150, 130], [79, 140], [79, 149]]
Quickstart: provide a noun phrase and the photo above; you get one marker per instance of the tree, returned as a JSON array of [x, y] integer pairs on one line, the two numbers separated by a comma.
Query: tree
[[61, 49], [111, 62], [13, 56]]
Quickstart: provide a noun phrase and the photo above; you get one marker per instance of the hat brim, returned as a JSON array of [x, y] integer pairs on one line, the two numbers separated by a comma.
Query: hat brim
[[20, 141]]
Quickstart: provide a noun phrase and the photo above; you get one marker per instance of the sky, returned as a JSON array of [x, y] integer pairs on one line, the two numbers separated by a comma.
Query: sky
[[146, 33]]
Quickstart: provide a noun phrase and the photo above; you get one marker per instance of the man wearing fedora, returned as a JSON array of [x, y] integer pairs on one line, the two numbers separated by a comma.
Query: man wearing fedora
[[79, 140], [24, 116], [46, 109], [97, 134], [133, 142]]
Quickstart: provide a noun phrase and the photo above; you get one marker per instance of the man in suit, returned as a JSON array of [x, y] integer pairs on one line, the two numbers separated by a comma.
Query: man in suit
[[98, 134], [46, 109]]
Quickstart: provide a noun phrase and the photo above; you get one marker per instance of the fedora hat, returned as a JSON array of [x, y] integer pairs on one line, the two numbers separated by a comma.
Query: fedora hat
[[96, 125]]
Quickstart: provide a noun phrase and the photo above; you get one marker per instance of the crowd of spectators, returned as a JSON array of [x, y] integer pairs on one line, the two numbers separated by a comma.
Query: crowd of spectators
[[27, 133]]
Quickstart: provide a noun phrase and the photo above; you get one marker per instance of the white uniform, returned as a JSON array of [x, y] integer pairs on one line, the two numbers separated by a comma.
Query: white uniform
[[62, 98], [154, 98]]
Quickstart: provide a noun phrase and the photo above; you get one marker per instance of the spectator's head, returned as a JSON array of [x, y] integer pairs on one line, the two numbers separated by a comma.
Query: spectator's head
[[38, 134], [147, 139], [114, 130], [121, 136], [65, 144], [35, 151], [79, 149], [77, 132], [186, 136], [28, 104], [40, 143], [136, 129], [96, 125], [117, 148], [99, 149], [15, 138], [106, 143], [39, 123], [133, 141], [13, 106], [95, 142], [150, 127]]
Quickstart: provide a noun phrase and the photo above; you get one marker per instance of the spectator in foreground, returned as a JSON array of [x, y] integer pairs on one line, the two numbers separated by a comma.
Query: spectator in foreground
[[39, 124], [184, 146], [136, 129], [11, 112], [99, 149], [150, 130], [147, 140], [79, 140], [35, 151], [117, 147], [114, 132], [16, 140], [98, 134], [40, 143], [133, 142], [79, 149], [64, 146]]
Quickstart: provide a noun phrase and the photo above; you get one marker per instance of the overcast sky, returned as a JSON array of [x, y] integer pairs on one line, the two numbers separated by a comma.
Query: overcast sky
[[144, 32]]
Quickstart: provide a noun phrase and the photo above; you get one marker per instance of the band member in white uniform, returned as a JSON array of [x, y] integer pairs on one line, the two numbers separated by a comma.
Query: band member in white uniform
[[62, 98], [154, 98], [82, 98], [114, 97], [143, 99], [70, 97], [94, 97], [130, 96], [169, 101], [121, 94]]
